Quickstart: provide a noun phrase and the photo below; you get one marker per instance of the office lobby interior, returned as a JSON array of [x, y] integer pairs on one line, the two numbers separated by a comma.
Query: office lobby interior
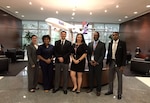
[[20, 19]]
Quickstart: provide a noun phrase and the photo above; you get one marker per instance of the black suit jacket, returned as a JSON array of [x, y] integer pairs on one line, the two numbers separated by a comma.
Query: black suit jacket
[[99, 52], [64, 51], [120, 54]]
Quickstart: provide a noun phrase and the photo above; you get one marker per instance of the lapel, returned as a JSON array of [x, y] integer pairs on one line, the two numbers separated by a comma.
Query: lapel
[[33, 46]]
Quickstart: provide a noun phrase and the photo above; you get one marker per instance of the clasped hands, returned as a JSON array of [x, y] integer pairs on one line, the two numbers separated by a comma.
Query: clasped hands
[[94, 63]]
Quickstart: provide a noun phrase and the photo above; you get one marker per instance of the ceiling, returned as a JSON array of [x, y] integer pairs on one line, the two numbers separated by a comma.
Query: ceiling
[[102, 11]]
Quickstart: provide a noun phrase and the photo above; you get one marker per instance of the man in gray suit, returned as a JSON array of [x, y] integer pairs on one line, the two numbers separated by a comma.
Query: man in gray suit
[[116, 60], [32, 64], [96, 54]]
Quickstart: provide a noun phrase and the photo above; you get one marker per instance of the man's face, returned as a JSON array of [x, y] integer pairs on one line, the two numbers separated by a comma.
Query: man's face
[[96, 36], [63, 35], [34, 39], [115, 36]]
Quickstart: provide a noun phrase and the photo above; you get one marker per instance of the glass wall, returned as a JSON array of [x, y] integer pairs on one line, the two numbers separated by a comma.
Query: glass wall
[[41, 28]]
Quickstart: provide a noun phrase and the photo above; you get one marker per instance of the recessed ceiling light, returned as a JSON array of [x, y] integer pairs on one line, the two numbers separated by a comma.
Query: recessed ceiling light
[[30, 3], [72, 17], [16, 12], [8, 6], [105, 11], [57, 12], [73, 13], [148, 6], [126, 17], [117, 6], [42, 8], [135, 12], [119, 19], [22, 16], [73, 9], [90, 13]]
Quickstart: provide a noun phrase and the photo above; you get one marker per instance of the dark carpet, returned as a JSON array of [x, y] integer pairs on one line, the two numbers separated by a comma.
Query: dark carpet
[[14, 68], [128, 72]]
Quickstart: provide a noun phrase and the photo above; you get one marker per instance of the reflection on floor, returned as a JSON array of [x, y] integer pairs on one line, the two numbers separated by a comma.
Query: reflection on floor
[[13, 89], [145, 80]]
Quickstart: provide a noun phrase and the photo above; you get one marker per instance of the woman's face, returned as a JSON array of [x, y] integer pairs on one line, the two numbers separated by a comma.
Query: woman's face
[[46, 41], [34, 39], [79, 38]]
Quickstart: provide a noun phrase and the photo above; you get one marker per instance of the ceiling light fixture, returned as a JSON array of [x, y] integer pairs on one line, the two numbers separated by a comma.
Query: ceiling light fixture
[[57, 12], [73, 13], [117, 6], [8, 7], [30, 3], [90, 13], [72, 17], [119, 19], [126, 17], [148, 6], [135, 12], [42, 8], [105, 11], [16, 12], [22, 16]]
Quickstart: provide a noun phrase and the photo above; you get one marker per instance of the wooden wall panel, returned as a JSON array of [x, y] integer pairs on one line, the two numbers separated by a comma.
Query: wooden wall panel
[[10, 30], [137, 33]]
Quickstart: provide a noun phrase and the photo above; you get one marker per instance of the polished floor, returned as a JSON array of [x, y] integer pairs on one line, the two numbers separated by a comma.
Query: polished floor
[[13, 89]]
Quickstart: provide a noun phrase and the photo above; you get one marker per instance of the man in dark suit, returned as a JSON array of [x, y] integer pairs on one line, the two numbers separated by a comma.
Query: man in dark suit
[[96, 54], [62, 52], [116, 59]]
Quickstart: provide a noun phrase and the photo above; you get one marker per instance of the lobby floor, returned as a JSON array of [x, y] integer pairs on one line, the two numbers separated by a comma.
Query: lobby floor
[[13, 89]]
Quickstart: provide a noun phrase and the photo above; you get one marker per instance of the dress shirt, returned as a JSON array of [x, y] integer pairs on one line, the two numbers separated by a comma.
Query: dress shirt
[[114, 48]]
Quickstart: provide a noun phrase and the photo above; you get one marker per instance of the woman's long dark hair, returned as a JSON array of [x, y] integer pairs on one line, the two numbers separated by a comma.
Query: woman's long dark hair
[[83, 40]]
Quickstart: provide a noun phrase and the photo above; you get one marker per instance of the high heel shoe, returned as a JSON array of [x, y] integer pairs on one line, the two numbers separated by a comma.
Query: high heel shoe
[[78, 91], [74, 90]]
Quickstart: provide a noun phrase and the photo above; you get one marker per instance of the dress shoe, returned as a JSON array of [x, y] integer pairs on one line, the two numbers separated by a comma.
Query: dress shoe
[[37, 88], [98, 93], [119, 96], [108, 93], [65, 91], [31, 90], [55, 90], [90, 90]]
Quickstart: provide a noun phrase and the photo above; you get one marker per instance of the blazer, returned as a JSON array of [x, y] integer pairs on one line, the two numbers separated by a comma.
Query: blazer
[[120, 54], [31, 53], [64, 51], [99, 52]]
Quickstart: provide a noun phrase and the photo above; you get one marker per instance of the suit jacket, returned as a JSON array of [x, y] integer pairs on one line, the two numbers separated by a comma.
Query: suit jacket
[[32, 57], [64, 51], [99, 52], [120, 54]]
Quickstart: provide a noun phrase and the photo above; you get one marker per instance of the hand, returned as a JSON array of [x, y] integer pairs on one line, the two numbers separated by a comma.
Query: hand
[[76, 61], [61, 59], [33, 66], [121, 68], [48, 61], [95, 63]]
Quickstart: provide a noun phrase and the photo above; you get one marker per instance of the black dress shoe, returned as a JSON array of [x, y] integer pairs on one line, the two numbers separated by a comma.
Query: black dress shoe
[[65, 91], [55, 90], [98, 93], [119, 96], [88, 91], [108, 93]]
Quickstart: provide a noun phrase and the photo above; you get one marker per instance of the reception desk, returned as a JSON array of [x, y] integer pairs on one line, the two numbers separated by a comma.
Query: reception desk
[[84, 81]]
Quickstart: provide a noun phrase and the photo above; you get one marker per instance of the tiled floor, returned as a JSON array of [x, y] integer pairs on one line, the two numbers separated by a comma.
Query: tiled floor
[[14, 90]]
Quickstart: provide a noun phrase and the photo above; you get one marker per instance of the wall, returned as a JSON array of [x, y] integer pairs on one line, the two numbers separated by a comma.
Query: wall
[[137, 33], [10, 31]]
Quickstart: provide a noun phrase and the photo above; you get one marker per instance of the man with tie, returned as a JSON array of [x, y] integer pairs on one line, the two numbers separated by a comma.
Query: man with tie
[[116, 60], [96, 54], [62, 52]]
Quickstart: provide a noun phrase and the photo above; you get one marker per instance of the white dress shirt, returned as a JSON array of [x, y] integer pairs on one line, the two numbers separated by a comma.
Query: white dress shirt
[[114, 48]]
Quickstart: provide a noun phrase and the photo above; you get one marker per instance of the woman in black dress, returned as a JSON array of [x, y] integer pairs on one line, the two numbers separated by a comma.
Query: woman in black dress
[[78, 62]]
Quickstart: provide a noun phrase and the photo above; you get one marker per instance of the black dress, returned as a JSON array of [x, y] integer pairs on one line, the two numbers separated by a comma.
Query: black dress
[[77, 53]]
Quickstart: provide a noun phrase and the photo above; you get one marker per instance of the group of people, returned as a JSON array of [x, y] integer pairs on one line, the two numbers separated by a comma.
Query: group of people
[[53, 59]]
